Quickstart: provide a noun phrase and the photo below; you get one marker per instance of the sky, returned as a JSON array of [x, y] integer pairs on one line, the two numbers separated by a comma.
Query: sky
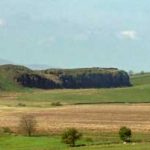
[[76, 33]]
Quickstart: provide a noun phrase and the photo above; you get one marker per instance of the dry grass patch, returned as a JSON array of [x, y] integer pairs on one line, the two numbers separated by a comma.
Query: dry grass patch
[[85, 117]]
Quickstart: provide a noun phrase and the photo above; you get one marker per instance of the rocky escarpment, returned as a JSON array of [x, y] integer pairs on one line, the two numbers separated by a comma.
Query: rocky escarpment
[[91, 77], [95, 80], [36, 81], [11, 76]]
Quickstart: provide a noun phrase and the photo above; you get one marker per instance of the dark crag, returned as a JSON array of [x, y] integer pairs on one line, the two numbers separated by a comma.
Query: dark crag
[[64, 78]]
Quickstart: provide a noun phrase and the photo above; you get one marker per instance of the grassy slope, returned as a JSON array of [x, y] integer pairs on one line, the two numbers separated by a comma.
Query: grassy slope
[[6, 84], [141, 79], [7, 74], [140, 92]]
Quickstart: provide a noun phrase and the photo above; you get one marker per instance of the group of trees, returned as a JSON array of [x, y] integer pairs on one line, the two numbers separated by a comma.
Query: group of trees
[[28, 126]]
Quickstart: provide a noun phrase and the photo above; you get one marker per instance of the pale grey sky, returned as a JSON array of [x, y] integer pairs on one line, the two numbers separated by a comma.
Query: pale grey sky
[[76, 33]]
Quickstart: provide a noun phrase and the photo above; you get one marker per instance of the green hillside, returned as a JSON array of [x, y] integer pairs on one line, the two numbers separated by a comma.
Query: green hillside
[[14, 77], [141, 79], [7, 77]]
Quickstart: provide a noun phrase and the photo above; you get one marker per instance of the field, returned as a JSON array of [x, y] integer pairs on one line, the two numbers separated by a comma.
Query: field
[[48, 143], [102, 117], [97, 122], [98, 113]]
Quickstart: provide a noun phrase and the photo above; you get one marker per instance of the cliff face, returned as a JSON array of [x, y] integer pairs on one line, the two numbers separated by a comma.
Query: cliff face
[[95, 80], [36, 81], [64, 78], [77, 78]]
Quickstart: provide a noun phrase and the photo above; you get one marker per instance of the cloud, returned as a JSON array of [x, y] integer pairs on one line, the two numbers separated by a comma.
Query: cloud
[[129, 34], [2, 23]]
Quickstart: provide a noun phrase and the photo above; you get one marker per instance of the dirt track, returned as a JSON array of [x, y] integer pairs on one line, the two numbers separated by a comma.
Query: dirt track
[[86, 117]]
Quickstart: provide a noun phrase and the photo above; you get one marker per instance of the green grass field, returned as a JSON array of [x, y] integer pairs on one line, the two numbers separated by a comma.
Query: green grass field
[[117, 147], [117, 95], [54, 143]]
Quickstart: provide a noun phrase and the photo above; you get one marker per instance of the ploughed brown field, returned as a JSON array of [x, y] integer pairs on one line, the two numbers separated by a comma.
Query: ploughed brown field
[[102, 117]]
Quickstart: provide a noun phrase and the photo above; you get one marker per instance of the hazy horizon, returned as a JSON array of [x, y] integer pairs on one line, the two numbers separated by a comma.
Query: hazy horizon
[[76, 34]]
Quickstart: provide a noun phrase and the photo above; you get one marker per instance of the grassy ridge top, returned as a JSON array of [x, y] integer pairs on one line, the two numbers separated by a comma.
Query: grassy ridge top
[[79, 71]]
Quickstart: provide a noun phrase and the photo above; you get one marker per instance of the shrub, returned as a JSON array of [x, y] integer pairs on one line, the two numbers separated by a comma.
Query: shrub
[[125, 134], [7, 130], [27, 125], [70, 136], [21, 105], [56, 104]]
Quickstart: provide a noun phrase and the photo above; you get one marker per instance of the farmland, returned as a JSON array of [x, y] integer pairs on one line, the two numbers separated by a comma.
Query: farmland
[[97, 113], [104, 117]]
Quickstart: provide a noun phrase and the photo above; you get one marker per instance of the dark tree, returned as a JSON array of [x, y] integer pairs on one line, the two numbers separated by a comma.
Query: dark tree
[[27, 125], [70, 136], [125, 134]]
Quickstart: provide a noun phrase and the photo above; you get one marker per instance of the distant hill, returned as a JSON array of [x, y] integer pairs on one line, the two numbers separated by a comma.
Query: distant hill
[[13, 77]]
